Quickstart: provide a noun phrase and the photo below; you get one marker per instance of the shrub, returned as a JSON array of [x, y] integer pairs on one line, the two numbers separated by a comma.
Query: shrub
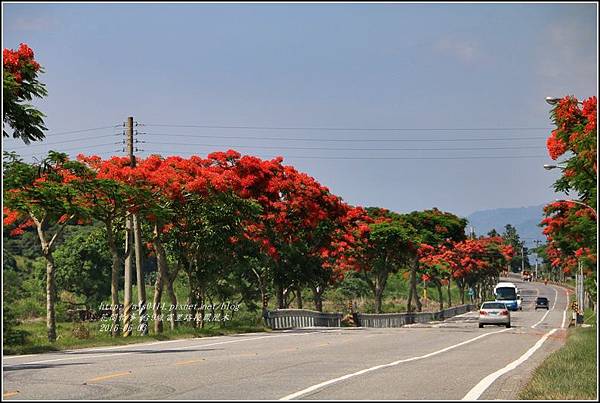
[[80, 331]]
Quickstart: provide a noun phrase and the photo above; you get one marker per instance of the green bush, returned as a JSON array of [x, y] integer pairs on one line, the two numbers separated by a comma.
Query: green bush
[[80, 331]]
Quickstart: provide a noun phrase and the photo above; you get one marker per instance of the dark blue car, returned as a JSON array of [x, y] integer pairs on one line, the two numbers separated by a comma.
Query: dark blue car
[[542, 302]]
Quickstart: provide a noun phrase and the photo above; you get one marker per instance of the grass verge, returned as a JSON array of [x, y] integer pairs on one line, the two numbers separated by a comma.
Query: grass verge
[[37, 341], [569, 373]]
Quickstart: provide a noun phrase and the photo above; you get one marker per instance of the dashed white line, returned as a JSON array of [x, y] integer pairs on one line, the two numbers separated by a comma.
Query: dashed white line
[[548, 311]]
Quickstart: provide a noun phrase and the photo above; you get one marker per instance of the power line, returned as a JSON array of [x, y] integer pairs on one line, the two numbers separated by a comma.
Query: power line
[[349, 149], [388, 158], [350, 128], [82, 130], [60, 142], [71, 149], [344, 140]]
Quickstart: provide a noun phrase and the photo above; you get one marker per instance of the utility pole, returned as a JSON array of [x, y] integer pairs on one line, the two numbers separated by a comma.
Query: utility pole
[[537, 244], [128, 242], [137, 234], [522, 257]]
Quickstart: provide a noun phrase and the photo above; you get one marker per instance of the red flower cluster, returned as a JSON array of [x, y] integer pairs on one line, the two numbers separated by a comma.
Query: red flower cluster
[[556, 146], [563, 224], [293, 203], [590, 108], [470, 258], [20, 63]]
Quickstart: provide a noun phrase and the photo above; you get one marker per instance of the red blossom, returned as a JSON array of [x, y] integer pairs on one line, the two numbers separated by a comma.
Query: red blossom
[[556, 146]]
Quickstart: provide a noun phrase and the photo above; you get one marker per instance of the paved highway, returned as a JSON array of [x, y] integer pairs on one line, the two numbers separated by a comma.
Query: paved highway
[[453, 359]]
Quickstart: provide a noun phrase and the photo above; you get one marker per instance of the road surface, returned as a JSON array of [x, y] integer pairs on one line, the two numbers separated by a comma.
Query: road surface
[[453, 359]]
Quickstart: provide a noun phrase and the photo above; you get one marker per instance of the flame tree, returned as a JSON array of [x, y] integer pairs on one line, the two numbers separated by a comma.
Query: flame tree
[[49, 196], [20, 84], [570, 227]]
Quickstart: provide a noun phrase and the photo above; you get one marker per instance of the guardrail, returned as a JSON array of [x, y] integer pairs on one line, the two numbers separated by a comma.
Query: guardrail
[[400, 319], [291, 318]]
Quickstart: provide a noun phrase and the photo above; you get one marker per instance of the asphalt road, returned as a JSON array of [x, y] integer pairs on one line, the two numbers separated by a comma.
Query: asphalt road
[[453, 359]]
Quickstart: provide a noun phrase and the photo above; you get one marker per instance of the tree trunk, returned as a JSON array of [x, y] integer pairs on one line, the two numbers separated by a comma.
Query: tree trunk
[[202, 298], [50, 272], [279, 294], [127, 300], [449, 292], [379, 287], [192, 300], [378, 298], [264, 301], [212, 307], [416, 296], [173, 299], [438, 285], [114, 280], [50, 297], [141, 285], [410, 293], [317, 297], [461, 286], [221, 318], [161, 262], [299, 296], [114, 294], [413, 284], [289, 295]]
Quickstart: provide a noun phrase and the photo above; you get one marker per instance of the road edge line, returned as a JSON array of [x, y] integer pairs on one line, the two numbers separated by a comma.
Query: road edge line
[[391, 364], [486, 382]]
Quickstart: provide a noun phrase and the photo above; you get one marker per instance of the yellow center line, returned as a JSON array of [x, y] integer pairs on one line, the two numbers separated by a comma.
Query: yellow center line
[[100, 378], [9, 394], [189, 361]]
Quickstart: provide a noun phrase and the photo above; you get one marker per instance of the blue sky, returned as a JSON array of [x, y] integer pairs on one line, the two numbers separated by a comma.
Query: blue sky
[[367, 66]]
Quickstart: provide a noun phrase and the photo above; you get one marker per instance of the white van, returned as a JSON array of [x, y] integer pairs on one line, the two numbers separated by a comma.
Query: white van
[[509, 294]]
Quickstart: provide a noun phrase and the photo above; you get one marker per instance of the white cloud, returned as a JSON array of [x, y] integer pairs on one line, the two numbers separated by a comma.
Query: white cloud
[[464, 50], [568, 50], [41, 23]]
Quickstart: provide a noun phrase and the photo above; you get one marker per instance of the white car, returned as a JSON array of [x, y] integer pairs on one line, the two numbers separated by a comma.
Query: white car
[[494, 313]]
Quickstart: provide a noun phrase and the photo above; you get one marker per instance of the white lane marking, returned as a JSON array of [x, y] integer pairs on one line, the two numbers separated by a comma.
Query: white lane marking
[[240, 340], [83, 351], [485, 383], [555, 296], [19, 356], [65, 359], [133, 352], [86, 350], [548, 311], [391, 364], [562, 326]]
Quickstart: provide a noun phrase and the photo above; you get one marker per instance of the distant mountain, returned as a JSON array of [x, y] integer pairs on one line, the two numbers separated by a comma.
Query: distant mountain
[[524, 219]]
